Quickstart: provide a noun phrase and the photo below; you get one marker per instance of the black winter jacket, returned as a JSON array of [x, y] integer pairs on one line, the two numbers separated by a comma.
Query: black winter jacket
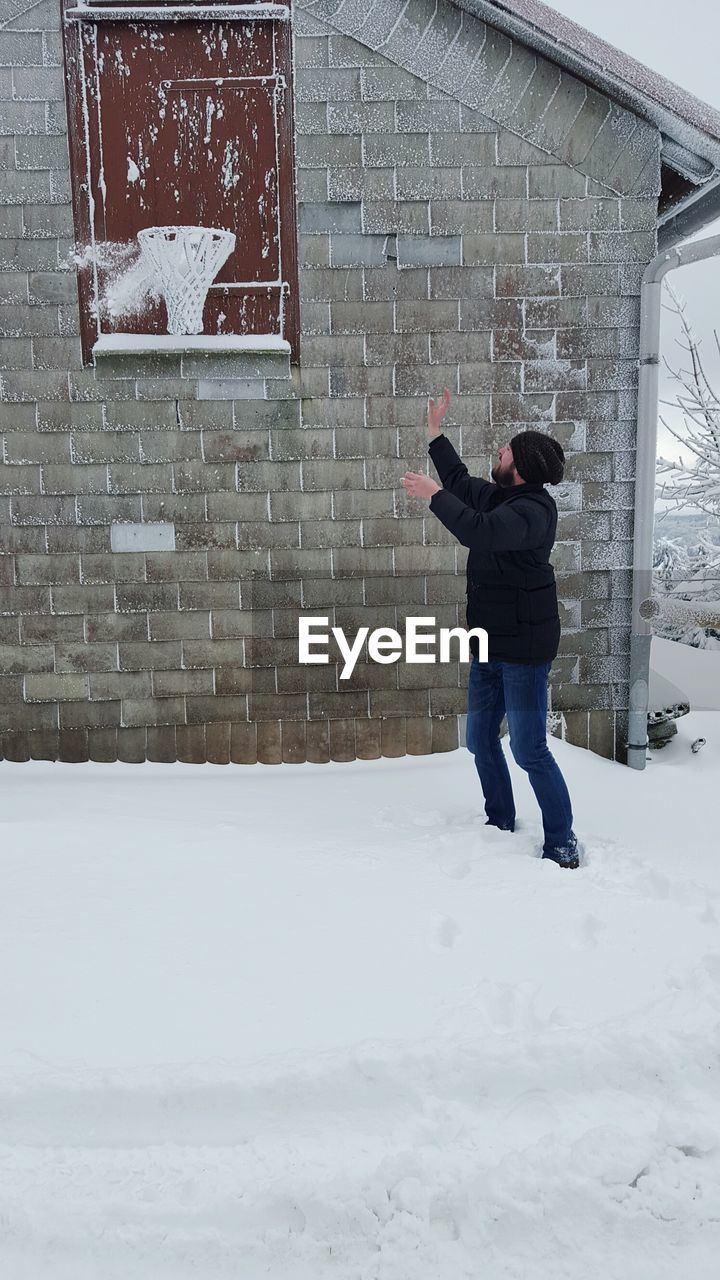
[[510, 533]]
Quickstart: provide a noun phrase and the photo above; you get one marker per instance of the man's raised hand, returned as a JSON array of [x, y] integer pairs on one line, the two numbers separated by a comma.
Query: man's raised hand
[[417, 485], [436, 412]]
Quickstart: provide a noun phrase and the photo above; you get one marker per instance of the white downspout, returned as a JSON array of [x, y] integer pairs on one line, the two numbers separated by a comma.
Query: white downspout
[[644, 607]]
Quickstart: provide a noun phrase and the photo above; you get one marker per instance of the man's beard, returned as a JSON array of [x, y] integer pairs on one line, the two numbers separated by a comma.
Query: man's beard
[[503, 476]]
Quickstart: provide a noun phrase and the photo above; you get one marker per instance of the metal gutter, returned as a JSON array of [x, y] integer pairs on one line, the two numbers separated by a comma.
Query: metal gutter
[[643, 605], [689, 165], [689, 216]]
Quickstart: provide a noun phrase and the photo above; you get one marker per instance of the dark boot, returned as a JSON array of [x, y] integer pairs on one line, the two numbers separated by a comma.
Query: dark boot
[[568, 856]]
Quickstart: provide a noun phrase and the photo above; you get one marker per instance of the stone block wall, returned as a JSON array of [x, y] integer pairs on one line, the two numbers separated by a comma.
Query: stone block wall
[[469, 217]]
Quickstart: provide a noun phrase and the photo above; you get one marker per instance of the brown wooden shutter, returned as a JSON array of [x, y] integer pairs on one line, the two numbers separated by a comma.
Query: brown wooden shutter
[[185, 122]]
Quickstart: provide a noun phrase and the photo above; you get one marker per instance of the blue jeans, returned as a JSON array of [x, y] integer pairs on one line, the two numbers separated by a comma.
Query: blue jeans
[[518, 690]]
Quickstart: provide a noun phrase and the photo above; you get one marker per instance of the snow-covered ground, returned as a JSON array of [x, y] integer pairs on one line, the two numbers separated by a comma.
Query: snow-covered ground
[[696, 671], [308, 1021]]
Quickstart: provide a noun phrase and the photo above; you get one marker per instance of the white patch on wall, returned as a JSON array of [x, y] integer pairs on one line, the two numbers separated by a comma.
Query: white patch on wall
[[209, 113], [153, 536], [120, 63], [231, 157]]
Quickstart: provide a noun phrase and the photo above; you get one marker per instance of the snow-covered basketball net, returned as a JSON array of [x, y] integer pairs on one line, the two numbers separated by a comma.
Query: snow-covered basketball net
[[184, 261]]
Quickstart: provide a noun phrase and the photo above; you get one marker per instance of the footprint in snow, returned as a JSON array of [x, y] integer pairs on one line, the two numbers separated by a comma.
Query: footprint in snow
[[443, 1222], [446, 932], [430, 819], [450, 860], [590, 931], [458, 870], [708, 916], [712, 965], [404, 817]]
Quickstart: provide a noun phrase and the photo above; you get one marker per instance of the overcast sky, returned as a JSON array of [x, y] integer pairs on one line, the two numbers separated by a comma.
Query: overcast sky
[[682, 43]]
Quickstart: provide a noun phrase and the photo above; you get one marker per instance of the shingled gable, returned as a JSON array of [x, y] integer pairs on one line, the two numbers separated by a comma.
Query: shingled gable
[[584, 101]]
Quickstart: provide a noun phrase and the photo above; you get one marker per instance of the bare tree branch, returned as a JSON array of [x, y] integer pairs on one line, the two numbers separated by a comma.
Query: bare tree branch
[[687, 579]]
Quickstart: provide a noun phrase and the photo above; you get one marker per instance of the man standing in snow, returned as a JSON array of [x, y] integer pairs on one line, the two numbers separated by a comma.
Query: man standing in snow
[[509, 528]]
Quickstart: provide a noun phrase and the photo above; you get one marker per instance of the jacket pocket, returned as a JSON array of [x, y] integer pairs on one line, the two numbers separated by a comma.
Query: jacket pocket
[[539, 604], [495, 609]]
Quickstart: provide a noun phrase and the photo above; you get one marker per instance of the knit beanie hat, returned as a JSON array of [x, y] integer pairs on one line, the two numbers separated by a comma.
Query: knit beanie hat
[[539, 459]]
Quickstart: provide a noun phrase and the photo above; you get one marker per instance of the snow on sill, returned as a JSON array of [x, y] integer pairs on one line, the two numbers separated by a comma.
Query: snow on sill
[[175, 12], [161, 343]]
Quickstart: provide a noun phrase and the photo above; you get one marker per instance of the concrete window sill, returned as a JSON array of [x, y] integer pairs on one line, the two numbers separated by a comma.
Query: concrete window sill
[[116, 344]]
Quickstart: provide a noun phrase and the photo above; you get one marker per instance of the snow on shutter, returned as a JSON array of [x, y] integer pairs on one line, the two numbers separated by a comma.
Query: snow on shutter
[[184, 121]]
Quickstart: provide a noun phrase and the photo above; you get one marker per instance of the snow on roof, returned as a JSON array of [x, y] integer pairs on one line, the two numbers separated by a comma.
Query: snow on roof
[[610, 64]]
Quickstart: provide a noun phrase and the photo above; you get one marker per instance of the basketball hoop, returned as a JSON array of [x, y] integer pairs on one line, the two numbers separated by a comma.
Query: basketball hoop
[[184, 261]]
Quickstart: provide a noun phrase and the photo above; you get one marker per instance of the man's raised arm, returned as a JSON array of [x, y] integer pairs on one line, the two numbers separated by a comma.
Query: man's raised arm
[[451, 469], [454, 476], [517, 526]]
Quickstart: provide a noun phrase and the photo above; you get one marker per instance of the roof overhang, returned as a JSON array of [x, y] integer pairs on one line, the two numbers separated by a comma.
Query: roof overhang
[[690, 215]]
